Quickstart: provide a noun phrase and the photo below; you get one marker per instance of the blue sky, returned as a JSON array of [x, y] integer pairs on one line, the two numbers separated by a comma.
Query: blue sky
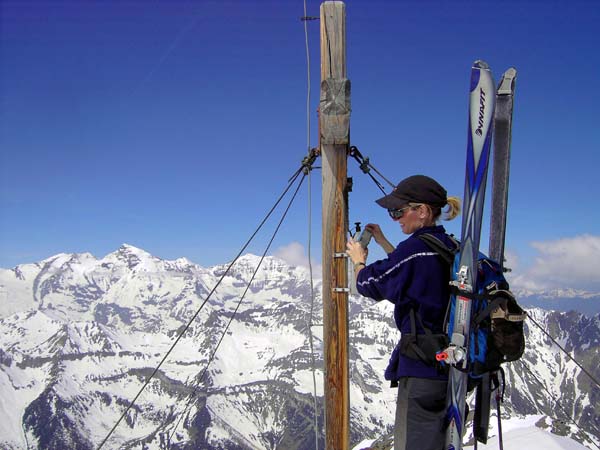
[[174, 126]]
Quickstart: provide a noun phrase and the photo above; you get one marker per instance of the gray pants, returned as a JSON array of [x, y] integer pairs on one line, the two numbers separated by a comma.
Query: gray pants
[[420, 414]]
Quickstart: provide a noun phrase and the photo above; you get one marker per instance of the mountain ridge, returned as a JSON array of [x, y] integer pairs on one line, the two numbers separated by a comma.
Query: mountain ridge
[[91, 330]]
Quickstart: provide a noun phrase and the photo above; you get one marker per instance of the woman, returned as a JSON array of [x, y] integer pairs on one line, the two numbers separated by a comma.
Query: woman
[[415, 279]]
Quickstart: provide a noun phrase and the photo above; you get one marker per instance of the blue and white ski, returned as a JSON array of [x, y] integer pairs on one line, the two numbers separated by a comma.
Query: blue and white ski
[[481, 113]]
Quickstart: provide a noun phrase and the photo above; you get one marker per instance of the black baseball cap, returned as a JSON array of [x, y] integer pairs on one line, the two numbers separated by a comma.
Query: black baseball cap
[[415, 189]]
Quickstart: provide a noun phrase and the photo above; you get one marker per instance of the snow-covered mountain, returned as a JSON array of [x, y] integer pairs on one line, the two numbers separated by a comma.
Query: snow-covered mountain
[[79, 336], [563, 300]]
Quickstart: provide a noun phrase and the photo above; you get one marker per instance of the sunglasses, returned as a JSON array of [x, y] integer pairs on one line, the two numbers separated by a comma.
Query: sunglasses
[[398, 213]]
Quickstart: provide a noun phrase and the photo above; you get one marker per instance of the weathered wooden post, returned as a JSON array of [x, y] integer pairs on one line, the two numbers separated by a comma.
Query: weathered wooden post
[[334, 131]]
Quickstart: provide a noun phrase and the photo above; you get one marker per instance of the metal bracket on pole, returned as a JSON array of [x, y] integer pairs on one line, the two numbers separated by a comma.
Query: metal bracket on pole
[[338, 289]]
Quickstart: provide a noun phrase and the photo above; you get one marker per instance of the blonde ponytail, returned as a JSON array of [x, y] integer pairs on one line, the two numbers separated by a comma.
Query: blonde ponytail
[[453, 208]]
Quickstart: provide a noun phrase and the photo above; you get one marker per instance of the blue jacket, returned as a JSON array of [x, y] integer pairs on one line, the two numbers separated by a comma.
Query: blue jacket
[[415, 276]]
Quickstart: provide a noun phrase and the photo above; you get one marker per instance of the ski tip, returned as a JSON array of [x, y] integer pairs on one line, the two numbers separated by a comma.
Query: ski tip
[[507, 83], [480, 64]]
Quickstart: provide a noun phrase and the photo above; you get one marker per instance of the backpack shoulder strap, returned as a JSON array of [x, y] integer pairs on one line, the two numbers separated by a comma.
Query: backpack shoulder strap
[[447, 254]]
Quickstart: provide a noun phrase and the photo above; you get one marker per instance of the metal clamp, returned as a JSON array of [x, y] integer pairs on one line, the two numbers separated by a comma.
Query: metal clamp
[[339, 289]]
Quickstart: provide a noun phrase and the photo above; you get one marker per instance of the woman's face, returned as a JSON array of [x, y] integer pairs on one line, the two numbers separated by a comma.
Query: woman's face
[[412, 219]]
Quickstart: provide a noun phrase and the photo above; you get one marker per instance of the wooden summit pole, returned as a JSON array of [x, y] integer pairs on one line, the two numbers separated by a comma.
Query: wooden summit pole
[[334, 137]]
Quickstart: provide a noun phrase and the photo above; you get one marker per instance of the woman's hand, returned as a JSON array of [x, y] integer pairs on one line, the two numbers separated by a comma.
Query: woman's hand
[[356, 252], [375, 230], [379, 237]]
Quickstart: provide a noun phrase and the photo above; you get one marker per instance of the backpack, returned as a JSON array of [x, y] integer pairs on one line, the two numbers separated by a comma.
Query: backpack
[[496, 330]]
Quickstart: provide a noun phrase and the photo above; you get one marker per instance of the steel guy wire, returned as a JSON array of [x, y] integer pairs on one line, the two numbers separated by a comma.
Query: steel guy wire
[[366, 166], [379, 173], [309, 244], [556, 402], [563, 350], [155, 371], [307, 82], [212, 356], [310, 319]]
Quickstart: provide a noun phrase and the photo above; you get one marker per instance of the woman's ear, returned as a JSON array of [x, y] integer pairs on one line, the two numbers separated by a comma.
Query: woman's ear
[[426, 213]]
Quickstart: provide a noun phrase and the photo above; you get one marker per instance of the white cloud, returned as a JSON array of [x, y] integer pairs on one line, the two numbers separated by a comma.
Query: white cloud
[[295, 255], [512, 260], [572, 262]]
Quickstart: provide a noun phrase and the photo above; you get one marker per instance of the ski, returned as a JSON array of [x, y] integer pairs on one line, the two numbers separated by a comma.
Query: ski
[[479, 136], [500, 178], [501, 163]]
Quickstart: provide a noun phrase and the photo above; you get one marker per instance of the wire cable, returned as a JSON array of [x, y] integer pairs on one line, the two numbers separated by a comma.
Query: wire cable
[[174, 43], [392, 185], [366, 166], [310, 320], [563, 350], [212, 356], [556, 402], [309, 244], [155, 371], [307, 81]]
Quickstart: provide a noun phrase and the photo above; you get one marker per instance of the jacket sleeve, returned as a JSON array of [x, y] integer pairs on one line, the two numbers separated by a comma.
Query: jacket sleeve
[[386, 279]]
